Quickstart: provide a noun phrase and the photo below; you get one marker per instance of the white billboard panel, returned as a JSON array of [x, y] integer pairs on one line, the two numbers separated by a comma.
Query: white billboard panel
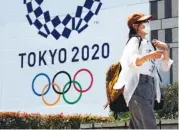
[[54, 54]]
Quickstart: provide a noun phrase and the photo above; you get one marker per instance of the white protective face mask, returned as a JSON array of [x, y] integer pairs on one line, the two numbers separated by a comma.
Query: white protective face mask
[[147, 28]]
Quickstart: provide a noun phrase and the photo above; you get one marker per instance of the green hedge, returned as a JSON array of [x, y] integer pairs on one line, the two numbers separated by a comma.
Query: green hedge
[[170, 110], [9, 120]]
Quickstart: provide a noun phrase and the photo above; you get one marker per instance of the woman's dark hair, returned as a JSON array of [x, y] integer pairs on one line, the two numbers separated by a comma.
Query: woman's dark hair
[[132, 32]]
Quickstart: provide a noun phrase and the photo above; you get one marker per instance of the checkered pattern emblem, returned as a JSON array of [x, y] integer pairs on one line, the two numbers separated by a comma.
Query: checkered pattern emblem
[[46, 25]]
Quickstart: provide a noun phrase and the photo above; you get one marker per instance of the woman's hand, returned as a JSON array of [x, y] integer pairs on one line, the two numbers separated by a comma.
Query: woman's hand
[[155, 54], [152, 55], [160, 44]]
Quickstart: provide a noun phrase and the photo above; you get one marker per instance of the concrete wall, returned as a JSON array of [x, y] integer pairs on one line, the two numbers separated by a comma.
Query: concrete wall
[[165, 28]]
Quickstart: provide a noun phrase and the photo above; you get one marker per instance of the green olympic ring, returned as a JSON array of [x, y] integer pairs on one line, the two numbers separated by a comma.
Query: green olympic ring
[[72, 102]]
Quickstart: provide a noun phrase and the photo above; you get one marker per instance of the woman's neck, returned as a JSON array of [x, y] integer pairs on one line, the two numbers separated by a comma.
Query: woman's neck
[[141, 35]]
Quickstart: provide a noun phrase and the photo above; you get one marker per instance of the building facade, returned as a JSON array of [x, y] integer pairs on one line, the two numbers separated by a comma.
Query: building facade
[[164, 27]]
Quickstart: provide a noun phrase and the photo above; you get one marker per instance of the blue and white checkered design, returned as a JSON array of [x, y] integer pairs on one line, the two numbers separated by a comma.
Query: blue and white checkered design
[[57, 27]]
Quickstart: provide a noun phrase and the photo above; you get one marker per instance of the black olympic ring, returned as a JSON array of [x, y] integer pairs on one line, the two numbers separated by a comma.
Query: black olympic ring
[[53, 81]]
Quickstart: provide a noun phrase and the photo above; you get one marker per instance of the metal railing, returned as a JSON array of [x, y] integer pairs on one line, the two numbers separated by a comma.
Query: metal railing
[[162, 124]]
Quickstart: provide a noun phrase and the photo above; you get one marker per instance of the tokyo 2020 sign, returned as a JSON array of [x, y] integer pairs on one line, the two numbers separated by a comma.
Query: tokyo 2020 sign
[[55, 54]]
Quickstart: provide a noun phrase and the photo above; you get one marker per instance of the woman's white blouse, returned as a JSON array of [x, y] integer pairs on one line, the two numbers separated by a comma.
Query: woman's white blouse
[[130, 73]]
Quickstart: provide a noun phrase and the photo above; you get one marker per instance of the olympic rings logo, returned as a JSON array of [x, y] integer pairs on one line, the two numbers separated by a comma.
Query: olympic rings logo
[[65, 89]]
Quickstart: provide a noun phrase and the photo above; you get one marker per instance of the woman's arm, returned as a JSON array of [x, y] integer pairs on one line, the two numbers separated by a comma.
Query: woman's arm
[[151, 55], [132, 54], [165, 62]]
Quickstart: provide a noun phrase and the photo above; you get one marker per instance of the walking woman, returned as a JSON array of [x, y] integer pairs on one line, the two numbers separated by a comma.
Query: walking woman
[[141, 61]]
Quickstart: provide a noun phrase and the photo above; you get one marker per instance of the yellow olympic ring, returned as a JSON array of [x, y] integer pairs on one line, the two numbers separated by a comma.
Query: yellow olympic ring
[[43, 91]]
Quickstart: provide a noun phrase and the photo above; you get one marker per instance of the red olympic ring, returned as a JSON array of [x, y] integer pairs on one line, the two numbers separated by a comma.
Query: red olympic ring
[[91, 83]]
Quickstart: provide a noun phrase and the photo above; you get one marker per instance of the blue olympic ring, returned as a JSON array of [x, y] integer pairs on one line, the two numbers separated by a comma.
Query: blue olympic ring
[[33, 89]]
